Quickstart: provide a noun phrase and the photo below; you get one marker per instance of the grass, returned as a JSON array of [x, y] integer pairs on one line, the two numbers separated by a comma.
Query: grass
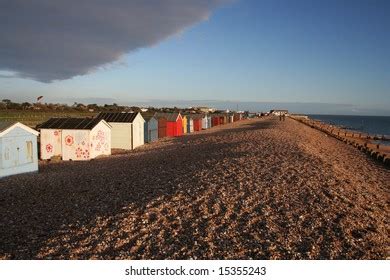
[[33, 118]]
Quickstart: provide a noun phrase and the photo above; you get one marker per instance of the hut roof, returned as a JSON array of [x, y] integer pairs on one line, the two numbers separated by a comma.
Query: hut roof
[[117, 117], [186, 115], [171, 117], [6, 124], [194, 116], [70, 123], [148, 115], [197, 116]]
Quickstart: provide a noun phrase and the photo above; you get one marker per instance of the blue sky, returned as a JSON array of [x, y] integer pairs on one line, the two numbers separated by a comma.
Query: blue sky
[[333, 52]]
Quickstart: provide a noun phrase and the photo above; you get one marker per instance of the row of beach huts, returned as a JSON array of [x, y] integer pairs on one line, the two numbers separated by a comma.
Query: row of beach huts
[[87, 138]]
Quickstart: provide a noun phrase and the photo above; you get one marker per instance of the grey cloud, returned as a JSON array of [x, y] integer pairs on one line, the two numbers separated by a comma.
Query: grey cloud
[[50, 40]]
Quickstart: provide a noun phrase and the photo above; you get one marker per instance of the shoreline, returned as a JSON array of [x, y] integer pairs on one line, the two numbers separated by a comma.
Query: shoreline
[[363, 141], [362, 133]]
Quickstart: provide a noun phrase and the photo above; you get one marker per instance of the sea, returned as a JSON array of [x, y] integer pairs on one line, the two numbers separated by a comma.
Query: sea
[[378, 125]]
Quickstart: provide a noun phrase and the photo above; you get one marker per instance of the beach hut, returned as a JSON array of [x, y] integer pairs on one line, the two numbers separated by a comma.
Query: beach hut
[[205, 123], [184, 124], [18, 149], [162, 127], [215, 120], [222, 119], [197, 119], [230, 118], [127, 129], [237, 117], [150, 127], [169, 124], [190, 123], [75, 138], [209, 124]]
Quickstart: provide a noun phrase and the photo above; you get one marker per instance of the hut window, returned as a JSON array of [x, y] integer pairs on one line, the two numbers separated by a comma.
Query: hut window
[[29, 151]]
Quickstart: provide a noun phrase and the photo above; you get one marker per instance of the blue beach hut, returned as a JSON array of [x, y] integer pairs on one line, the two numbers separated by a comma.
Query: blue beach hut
[[150, 127]]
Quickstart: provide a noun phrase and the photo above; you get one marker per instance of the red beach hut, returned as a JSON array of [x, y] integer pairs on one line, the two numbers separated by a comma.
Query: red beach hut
[[197, 122], [221, 119], [215, 120], [169, 124]]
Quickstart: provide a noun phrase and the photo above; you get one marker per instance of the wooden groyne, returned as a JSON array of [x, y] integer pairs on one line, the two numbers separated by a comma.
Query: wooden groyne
[[367, 143]]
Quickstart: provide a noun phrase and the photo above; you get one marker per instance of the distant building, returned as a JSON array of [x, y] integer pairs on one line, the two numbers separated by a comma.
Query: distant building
[[18, 149], [206, 109], [278, 112]]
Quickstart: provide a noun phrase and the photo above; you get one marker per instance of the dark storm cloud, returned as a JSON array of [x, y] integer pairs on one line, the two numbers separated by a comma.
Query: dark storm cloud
[[50, 40]]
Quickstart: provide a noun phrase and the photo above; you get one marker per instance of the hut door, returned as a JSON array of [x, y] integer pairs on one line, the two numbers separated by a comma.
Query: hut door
[[11, 153], [29, 151], [140, 130]]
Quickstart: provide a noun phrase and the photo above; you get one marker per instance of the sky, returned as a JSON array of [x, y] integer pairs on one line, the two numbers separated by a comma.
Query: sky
[[329, 56]]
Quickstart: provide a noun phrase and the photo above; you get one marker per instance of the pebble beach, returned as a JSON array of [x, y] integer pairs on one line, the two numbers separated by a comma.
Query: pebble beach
[[255, 189]]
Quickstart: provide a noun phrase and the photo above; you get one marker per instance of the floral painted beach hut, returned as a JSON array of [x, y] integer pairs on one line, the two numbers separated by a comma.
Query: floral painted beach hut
[[18, 149], [127, 129], [150, 127], [169, 124], [75, 138]]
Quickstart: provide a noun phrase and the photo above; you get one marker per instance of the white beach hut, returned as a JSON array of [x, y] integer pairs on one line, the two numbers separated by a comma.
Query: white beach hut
[[127, 129], [75, 138], [205, 123], [18, 149]]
